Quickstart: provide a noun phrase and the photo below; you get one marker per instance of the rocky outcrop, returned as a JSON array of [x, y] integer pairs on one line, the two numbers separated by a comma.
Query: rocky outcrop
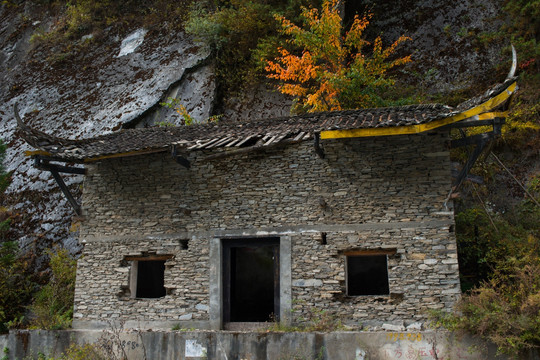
[[120, 79], [116, 82]]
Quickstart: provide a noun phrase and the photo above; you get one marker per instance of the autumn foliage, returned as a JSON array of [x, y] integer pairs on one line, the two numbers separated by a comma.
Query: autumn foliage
[[332, 72]]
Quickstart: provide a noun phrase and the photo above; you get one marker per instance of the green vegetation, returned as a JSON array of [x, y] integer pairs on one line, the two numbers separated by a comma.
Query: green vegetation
[[53, 304], [524, 31], [498, 227], [17, 285], [76, 352], [77, 18], [81, 25], [19, 280], [241, 33], [499, 258], [333, 72], [180, 109], [505, 309], [499, 246], [173, 103]]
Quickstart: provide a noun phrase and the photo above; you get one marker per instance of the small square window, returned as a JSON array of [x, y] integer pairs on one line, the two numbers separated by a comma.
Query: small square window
[[147, 276], [150, 279], [367, 275]]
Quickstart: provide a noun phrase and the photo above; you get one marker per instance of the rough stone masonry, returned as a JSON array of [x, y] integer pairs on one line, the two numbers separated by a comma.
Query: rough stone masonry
[[384, 195]]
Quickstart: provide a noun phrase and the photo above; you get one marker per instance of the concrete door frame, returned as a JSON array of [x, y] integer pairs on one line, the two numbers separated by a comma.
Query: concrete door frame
[[216, 281]]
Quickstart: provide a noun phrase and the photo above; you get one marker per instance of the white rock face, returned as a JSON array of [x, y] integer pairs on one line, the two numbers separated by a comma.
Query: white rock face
[[110, 85], [132, 42]]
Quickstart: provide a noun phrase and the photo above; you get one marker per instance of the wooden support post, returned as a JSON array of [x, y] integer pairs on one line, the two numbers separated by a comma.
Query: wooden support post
[[43, 163], [317, 144], [66, 192], [480, 145], [179, 158]]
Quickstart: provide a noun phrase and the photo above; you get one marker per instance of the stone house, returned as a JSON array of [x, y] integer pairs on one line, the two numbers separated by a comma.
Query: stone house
[[229, 225]]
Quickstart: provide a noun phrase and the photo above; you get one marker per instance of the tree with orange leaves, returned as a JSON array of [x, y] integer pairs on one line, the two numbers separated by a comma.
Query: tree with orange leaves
[[332, 73]]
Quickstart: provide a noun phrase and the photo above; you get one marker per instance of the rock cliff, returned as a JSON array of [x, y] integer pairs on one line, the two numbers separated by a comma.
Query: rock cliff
[[120, 79]]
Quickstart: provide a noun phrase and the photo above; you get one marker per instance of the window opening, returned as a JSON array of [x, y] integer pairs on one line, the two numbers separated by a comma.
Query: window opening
[[323, 239], [367, 274], [147, 279], [150, 279]]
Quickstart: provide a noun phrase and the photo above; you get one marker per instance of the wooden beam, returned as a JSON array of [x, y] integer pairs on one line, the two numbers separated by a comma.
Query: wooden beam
[[368, 252], [148, 257], [480, 145], [42, 163], [255, 148], [473, 122]]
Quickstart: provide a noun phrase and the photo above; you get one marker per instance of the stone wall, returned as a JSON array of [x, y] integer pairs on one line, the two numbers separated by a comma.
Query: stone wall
[[373, 193]]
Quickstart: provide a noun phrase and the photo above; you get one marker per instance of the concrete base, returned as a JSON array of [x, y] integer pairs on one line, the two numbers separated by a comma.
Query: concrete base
[[156, 345]]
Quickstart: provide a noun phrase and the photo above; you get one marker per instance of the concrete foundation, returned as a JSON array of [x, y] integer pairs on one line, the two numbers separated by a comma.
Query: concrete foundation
[[158, 345]]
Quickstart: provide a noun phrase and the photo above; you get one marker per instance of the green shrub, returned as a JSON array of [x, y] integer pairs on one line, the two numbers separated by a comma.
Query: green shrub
[[77, 18], [499, 259], [481, 243], [241, 33], [16, 285], [53, 305], [83, 352], [17, 280], [506, 308], [332, 70]]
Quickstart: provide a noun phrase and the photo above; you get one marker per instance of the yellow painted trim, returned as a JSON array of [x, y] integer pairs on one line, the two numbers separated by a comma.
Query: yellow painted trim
[[493, 115], [36, 152], [414, 129]]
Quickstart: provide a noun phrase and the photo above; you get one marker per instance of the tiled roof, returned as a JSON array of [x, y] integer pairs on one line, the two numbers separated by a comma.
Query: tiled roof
[[263, 132]]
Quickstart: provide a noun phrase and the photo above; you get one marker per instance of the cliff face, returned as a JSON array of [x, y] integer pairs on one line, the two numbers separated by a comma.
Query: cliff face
[[119, 80]]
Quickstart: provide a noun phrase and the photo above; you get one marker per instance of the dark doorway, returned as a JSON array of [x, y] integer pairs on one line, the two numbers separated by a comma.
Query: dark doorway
[[251, 280]]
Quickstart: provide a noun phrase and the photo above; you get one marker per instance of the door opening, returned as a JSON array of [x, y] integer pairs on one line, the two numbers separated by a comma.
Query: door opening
[[251, 280]]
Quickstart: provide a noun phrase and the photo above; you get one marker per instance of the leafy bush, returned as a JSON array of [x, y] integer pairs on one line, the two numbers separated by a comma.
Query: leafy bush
[[185, 116], [240, 33], [506, 308], [16, 277], [481, 243], [176, 105], [75, 352], [16, 285], [83, 352], [333, 72], [53, 304], [499, 259]]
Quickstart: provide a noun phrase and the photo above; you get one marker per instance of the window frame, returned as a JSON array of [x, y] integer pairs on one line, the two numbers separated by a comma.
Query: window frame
[[367, 253]]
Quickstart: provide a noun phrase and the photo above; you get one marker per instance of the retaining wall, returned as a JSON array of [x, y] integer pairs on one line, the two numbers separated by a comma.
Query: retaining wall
[[257, 345]]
